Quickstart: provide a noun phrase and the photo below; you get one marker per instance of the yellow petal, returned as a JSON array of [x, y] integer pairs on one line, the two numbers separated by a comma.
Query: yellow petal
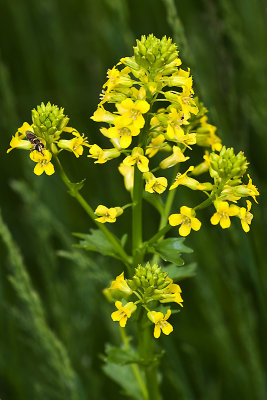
[[184, 229], [225, 222], [167, 329], [49, 168], [175, 219], [38, 169], [157, 331], [195, 224], [215, 219]]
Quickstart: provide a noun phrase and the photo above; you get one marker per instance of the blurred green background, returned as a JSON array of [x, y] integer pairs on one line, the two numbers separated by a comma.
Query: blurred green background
[[59, 51]]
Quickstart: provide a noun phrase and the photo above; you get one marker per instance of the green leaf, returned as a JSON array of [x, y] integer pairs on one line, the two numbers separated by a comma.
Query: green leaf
[[170, 250], [121, 356], [96, 241], [117, 368], [75, 187], [180, 273], [124, 239], [155, 201]]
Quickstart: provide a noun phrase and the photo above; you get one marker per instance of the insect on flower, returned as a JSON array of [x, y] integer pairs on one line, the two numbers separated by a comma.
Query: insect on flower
[[33, 139]]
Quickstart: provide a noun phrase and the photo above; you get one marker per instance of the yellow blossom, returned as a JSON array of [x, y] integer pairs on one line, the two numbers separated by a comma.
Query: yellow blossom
[[121, 284], [172, 293], [18, 141], [156, 144], [252, 188], [206, 135], [127, 172], [176, 157], [155, 185], [75, 144], [123, 133], [107, 214], [160, 322], [245, 216], [43, 162], [183, 179], [123, 312], [137, 158], [175, 121], [131, 112], [186, 219], [223, 214], [101, 155], [101, 115]]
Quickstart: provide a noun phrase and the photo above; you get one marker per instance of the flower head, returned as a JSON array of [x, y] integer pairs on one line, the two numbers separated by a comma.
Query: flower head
[[155, 185], [137, 158], [252, 188], [123, 312], [43, 162], [18, 141], [120, 284], [245, 216], [176, 157], [75, 144], [223, 214], [186, 219], [102, 155], [172, 293], [160, 322], [132, 112], [127, 172], [107, 214]]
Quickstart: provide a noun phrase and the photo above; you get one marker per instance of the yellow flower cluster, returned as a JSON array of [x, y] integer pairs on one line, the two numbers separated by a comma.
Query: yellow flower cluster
[[149, 284], [43, 137], [151, 137], [152, 119]]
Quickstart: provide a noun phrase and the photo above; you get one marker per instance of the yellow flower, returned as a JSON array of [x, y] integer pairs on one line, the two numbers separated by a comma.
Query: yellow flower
[[156, 144], [160, 322], [131, 112], [75, 144], [176, 157], [121, 284], [206, 135], [155, 185], [123, 312], [137, 158], [128, 173], [186, 219], [223, 214], [123, 133], [101, 115], [252, 188], [107, 214], [43, 162], [18, 141], [183, 179], [101, 155], [176, 120], [245, 216], [172, 293]]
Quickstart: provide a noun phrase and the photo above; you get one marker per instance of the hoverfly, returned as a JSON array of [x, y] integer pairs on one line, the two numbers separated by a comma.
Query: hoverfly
[[33, 139]]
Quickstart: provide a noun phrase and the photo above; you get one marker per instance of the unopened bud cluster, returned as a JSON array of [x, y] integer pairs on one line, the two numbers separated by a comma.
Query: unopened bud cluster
[[48, 120], [227, 165], [149, 285], [148, 278]]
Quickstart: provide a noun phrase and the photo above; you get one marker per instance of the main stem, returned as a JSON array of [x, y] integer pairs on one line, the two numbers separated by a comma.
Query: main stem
[[146, 353], [137, 236]]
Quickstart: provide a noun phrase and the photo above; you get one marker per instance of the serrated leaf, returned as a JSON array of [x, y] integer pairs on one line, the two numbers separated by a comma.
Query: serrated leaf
[[96, 241], [155, 201], [180, 273], [170, 250]]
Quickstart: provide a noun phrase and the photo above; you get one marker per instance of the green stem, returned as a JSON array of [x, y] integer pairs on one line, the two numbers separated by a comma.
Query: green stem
[[146, 353], [134, 367], [137, 217], [75, 193]]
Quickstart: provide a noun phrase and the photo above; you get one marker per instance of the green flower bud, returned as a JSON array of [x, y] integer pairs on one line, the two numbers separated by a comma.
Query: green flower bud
[[49, 120]]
